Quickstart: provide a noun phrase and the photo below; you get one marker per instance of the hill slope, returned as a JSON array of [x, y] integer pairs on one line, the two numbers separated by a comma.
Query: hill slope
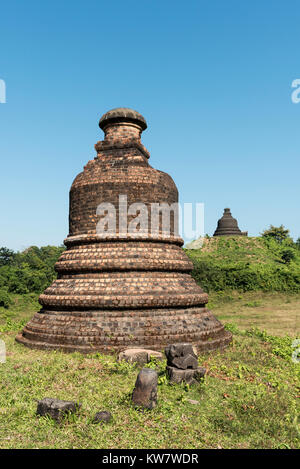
[[245, 263]]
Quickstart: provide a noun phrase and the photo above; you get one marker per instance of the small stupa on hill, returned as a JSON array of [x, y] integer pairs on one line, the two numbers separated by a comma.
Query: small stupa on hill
[[228, 226], [120, 289]]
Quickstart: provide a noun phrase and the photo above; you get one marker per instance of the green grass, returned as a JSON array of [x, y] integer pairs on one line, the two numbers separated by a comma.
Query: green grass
[[249, 398], [21, 309], [277, 312]]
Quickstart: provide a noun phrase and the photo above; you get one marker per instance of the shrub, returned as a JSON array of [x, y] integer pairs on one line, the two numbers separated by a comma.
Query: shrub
[[5, 299], [288, 255]]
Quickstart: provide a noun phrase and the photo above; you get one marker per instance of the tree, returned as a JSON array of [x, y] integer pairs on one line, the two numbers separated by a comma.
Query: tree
[[279, 233], [6, 256], [298, 243]]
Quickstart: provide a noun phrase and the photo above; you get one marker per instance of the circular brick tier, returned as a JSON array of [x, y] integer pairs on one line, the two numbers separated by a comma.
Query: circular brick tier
[[122, 290], [110, 330], [119, 256]]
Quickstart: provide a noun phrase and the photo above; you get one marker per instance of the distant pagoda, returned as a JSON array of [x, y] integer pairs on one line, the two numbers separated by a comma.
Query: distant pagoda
[[228, 226]]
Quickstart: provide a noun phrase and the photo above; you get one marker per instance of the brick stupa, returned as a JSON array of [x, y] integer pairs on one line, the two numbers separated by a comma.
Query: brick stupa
[[121, 291], [228, 226]]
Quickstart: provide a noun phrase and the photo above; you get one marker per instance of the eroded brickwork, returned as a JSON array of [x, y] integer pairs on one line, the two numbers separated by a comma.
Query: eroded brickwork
[[121, 291]]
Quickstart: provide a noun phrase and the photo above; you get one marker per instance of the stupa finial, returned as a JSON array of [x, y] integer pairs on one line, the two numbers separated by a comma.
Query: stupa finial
[[121, 116]]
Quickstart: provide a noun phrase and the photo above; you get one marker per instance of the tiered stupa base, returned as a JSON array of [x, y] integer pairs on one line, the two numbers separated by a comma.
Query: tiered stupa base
[[110, 331], [106, 307]]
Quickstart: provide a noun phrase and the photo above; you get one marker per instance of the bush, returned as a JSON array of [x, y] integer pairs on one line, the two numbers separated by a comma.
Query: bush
[[5, 299], [288, 255], [217, 277]]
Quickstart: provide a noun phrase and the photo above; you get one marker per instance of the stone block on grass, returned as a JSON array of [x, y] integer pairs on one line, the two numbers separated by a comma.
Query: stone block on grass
[[56, 408], [181, 356], [102, 417], [189, 376], [139, 355], [145, 390]]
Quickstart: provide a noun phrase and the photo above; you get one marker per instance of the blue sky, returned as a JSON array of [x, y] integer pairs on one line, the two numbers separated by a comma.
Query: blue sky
[[213, 79]]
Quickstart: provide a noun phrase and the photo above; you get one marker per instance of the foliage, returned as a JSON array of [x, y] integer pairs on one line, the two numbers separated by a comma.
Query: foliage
[[5, 299], [243, 263], [11, 325], [281, 346], [29, 271], [279, 233], [6, 256], [288, 255]]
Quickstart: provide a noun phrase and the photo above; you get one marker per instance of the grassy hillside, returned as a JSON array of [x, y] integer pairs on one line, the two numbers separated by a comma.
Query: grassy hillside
[[244, 263]]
